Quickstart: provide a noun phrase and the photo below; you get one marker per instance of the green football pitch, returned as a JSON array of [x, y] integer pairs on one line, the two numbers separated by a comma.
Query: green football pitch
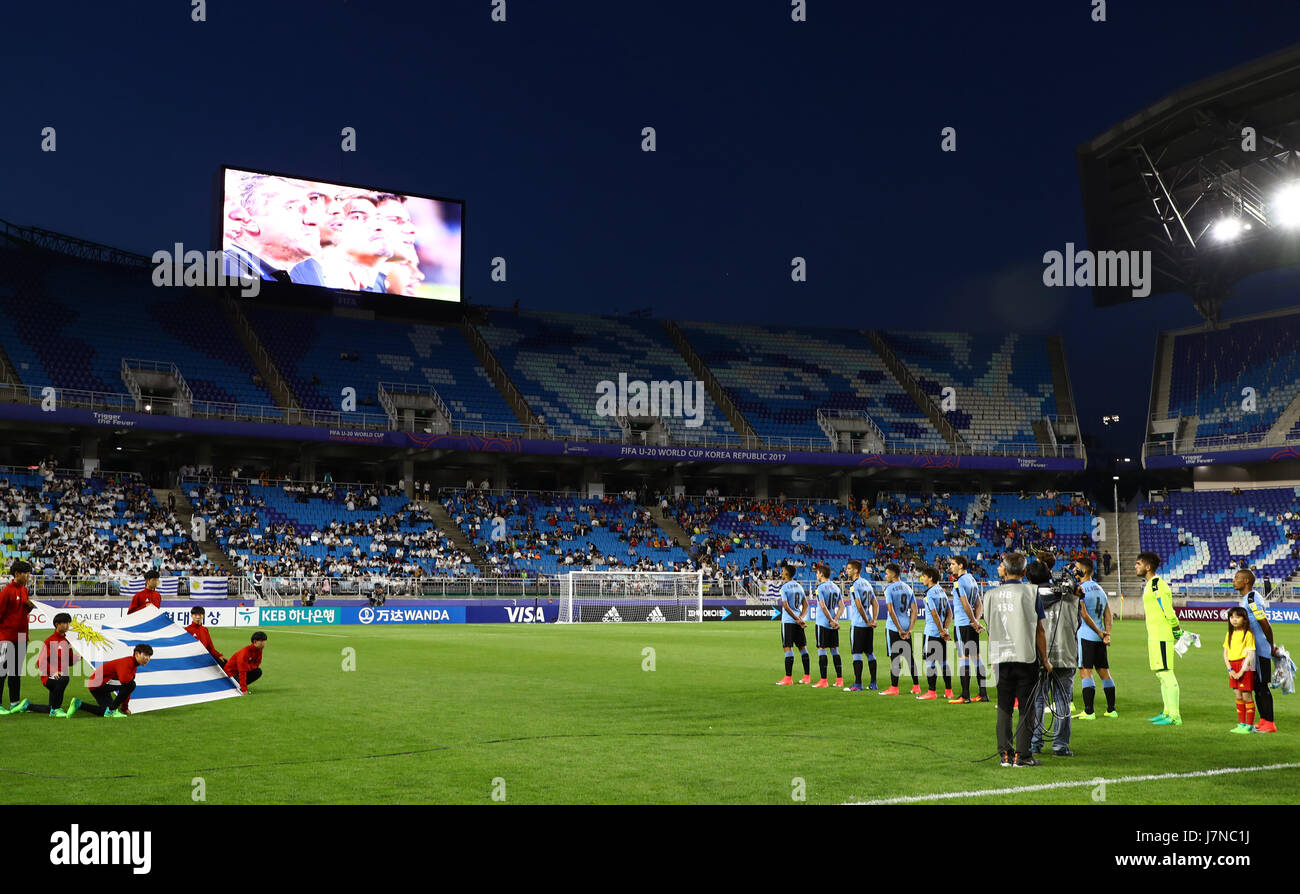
[[621, 714]]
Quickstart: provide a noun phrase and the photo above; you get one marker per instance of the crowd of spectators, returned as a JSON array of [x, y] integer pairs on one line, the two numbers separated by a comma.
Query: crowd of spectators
[[404, 543], [82, 528], [528, 534]]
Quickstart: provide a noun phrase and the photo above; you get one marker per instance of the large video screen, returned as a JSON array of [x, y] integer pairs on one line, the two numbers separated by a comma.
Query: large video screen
[[311, 232]]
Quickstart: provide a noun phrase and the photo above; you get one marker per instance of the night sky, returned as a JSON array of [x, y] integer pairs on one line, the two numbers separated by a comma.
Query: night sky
[[775, 139]]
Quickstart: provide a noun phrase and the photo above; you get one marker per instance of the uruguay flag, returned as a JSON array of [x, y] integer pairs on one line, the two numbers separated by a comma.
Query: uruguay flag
[[181, 672], [168, 587], [208, 587]]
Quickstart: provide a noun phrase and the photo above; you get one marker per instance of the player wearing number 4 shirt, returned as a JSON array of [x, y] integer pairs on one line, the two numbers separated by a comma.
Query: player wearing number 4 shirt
[[830, 606], [862, 617], [938, 615], [794, 612]]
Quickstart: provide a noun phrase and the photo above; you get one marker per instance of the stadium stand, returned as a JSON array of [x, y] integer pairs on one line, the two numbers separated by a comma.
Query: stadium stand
[[323, 530], [308, 349], [71, 324], [736, 533], [982, 526], [1205, 536], [1003, 381], [544, 533], [1211, 368], [557, 359], [73, 527], [780, 376]]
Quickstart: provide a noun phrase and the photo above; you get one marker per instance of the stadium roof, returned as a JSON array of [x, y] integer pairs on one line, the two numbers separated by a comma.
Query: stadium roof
[[1164, 179]]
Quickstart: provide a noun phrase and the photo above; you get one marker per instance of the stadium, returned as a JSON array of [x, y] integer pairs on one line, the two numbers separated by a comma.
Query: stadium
[[511, 549]]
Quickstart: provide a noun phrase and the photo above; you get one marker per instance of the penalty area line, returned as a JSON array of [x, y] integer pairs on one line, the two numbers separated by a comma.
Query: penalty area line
[[1084, 783]]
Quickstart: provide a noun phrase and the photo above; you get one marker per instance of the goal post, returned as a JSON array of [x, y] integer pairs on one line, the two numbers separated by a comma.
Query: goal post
[[635, 596]]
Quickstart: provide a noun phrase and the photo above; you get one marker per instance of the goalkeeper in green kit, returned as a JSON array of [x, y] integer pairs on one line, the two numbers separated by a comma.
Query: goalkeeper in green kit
[[1162, 631]]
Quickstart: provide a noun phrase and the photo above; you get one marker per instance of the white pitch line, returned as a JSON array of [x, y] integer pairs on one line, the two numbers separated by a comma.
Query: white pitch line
[[1019, 789]]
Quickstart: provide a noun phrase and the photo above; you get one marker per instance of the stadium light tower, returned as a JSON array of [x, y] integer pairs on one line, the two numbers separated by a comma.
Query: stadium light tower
[[1205, 184]]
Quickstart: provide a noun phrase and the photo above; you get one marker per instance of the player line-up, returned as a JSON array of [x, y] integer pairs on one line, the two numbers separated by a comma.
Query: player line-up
[[1247, 647], [962, 612], [112, 682]]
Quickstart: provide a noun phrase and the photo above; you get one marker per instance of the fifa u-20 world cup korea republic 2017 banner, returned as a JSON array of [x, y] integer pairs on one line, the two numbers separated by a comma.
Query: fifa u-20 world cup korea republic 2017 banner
[[181, 672], [476, 444]]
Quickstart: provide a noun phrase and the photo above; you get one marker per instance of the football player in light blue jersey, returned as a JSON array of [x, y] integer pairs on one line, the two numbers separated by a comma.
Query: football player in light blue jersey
[[863, 609], [967, 615], [938, 615], [830, 608], [1094, 642], [900, 605], [794, 613]]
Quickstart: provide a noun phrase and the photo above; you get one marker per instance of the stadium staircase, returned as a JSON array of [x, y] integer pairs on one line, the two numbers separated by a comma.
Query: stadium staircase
[[510, 392], [8, 375], [458, 538], [1185, 436], [266, 368], [923, 401], [185, 515], [669, 526], [1164, 374], [1285, 423], [1129, 546], [711, 383], [1064, 395]]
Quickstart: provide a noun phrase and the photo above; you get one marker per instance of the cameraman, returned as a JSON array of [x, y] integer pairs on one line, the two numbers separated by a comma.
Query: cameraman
[[1062, 607], [1017, 643]]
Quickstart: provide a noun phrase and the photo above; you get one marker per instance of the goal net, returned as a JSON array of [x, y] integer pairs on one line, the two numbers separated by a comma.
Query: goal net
[[620, 596]]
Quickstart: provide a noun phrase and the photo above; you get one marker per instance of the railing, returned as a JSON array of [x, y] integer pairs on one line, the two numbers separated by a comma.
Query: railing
[[110, 401], [128, 379], [283, 590], [387, 389], [826, 419], [1216, 443], [183, 404]]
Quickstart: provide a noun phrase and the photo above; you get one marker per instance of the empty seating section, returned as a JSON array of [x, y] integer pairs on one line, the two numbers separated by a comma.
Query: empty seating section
[[1003, 382], [557, 360], [780, 376], [1218, 530], [307, 347], [1210, 369], [71, 324], [537, 532]]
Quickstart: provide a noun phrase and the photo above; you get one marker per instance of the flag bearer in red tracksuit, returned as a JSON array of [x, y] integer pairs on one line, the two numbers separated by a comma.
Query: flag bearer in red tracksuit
[[15, 603], [196, 629], [112, 684], [55, 664], [246, 664], [149, 595]]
